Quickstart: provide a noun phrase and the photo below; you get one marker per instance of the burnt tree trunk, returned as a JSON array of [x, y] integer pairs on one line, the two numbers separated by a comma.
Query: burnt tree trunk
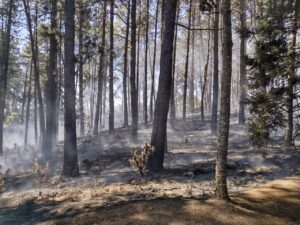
[[111, 69], [159, 131], [215, 100], [51, 86], [133, 84], [70, 166], [125, 75]]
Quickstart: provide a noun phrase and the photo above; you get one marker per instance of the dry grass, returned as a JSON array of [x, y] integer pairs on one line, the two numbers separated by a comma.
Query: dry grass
[[277, 203]]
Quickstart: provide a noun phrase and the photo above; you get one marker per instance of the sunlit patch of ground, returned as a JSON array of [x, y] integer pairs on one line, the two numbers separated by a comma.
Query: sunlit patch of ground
[[276, 203]]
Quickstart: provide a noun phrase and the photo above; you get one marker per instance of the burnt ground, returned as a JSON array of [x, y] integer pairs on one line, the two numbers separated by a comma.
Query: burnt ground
[[108, 187]]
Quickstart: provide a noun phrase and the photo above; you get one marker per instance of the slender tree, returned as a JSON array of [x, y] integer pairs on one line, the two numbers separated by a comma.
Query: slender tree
[[134, 93], [291, 76], [243, 28], [51, 86], [215, 100], [70, 167], [101, 72], [221, 163], [187, 63], [80, 69], [154, 63], [159, 129], [145, 96], [111, 69], [4, 71], [126, 67], [33, 41]]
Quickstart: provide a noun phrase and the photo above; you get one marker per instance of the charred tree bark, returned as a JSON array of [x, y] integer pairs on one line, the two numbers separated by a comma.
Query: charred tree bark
[[221, 163], [70, 166], [134, 94], [191, 84], [51, 86], [125, 124], [159, 131], [111, 70], [214, 112]]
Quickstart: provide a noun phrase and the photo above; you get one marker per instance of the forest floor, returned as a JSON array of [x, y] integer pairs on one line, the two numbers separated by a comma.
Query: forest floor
[[263, 183]]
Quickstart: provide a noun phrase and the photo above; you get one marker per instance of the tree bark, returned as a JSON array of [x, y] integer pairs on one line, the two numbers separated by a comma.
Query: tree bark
[[221, 163], [159, 131], [205, 74], [134, 94], [187, 64], [214, 112], [154, 63], [242, 63], [29, 96], [51, 86], [3, 75], [100, 72], [36, 70], [80, 70], [191, 83], [111, 70], [291, 77], [125, 100], [172, 98], [145, 96], [70, 167]]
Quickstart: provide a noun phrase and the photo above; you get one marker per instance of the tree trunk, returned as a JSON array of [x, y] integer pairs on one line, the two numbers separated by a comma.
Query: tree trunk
[[51, 86], [221, 163], [24, 94], [172, 98], [80, 70], [154, 63], [111, 69], [187, 64], [36, 68], [145, 97], [214, 112], [29, 96], [191, 85], [134, 94], [242, 63], [3, 75], [100, 72], [159, 131], [291, 77], [70, 167], [125, 124], [205, 74]]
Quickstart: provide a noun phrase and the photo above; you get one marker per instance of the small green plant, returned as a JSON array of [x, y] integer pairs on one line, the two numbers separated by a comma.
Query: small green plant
[[141, 156], [40, 173]]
